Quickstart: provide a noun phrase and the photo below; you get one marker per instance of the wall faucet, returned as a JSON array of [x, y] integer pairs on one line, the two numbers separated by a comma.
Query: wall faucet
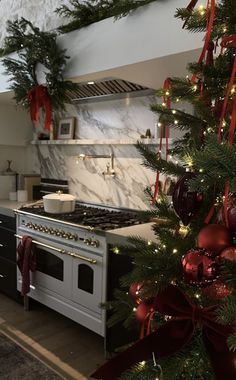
[[109, 167]]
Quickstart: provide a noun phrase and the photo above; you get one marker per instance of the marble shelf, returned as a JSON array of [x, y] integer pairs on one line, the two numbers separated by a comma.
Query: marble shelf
[[147, 141]]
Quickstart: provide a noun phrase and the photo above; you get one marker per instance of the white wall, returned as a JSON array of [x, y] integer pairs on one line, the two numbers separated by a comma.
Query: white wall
[[15, 126], [16, 132]]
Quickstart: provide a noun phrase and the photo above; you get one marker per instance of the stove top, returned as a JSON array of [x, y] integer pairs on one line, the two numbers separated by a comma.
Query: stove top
[[95, 217]]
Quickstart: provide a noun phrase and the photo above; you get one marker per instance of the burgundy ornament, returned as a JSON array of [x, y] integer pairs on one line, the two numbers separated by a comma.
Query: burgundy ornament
[[134, 292], [217, 290], [215, 238], [186, 203], [143, 310], [229, 254], [199, 267]]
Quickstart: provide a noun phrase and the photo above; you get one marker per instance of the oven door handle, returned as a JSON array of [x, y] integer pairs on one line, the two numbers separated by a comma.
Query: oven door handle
[[63, 251], [77, 256], [44, 245]]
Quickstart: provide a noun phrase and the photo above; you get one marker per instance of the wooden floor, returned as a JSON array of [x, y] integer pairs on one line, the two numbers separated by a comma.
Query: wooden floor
[[71, 349]]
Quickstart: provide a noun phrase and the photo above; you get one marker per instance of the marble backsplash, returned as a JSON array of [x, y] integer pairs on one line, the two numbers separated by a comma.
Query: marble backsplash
[[115, 119]]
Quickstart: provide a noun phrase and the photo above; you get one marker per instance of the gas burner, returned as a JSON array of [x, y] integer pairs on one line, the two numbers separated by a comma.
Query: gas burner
[[95, 217]]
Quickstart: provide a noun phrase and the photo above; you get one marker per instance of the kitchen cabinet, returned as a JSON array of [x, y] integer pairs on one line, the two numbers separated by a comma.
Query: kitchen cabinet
[[8, 255]]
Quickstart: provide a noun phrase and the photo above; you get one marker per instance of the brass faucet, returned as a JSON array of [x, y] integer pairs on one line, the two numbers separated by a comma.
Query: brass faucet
[[109, 167]]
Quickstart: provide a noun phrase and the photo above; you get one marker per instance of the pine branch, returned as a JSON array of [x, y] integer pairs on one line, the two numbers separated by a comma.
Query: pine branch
[[155, 163], [226, 312], [232, 341], [228, 270], [90, 11], [216, 161]]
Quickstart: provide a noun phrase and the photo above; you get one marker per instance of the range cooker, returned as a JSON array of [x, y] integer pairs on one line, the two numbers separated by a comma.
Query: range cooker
[[72, 258]]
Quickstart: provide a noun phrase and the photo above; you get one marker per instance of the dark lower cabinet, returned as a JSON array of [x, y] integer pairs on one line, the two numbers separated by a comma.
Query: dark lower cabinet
[[8, 256], [117, 335], [8, 278]]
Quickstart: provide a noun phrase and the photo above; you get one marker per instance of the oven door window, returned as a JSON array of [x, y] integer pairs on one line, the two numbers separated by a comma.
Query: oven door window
[[87, 283], [85, 278], [49, 264], [53, 272]]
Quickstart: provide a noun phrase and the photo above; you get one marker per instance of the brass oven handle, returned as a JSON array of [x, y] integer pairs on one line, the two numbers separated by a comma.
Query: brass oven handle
[[44, 245], [77, 256]]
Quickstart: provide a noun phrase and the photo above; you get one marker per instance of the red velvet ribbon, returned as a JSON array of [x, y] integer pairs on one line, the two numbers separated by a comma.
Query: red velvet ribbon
[[164, 127], [207, 42], [38, 97], [228, 42], [190, 7], [174, 335]]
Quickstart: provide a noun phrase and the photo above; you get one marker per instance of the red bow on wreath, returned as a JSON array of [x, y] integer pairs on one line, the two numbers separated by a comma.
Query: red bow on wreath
[[174, 335], [38, 97]]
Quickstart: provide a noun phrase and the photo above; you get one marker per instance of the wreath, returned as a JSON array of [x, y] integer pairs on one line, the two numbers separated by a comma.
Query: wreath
[[36, 47]]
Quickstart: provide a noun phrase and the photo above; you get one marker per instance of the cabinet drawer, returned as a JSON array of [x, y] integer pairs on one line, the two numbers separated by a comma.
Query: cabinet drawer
[[8, 222], [8, 278], [7, 245]]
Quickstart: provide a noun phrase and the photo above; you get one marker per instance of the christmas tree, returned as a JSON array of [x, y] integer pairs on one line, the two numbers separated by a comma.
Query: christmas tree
[[182, 290]]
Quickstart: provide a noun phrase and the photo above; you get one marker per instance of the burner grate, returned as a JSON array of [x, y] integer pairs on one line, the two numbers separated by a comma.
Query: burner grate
[[99, 218]]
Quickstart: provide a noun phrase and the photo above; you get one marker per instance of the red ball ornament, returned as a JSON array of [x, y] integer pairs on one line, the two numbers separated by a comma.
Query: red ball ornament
[[229, 254], [134, 291], [199, 267], [217, 290], [143, 310], [214, 237], [186, 203]]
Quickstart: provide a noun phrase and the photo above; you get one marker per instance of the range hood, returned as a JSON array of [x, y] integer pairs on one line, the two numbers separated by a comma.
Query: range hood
[[107, 89]]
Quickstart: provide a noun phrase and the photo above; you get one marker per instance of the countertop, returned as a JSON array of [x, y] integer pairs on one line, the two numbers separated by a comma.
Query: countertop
[[7, 207], [119, 236]]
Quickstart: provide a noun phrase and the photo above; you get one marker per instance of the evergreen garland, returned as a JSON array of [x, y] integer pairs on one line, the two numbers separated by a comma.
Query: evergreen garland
[[90, 11], [37, 47]]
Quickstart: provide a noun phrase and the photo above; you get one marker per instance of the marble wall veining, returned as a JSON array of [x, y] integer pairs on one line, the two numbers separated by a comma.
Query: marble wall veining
[[114, 119]]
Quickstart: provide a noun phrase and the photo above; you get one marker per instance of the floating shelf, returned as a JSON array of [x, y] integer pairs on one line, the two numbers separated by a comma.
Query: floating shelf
[[147, 141]]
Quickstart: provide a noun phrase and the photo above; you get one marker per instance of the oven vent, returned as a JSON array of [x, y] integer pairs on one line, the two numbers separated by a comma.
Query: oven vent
[[107, 88]]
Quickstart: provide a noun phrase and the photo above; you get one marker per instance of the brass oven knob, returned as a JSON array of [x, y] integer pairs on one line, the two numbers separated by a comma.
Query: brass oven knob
[[61, 233], [41, 228], [51, 231], [88, 241], [36, 227], [46, 230], [95, 243]]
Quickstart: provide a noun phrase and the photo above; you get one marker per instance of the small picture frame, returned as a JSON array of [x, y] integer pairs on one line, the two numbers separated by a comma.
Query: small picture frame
[[66, 128]]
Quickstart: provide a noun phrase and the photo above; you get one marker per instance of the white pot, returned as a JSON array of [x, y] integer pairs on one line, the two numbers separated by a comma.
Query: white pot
[[58, 203]]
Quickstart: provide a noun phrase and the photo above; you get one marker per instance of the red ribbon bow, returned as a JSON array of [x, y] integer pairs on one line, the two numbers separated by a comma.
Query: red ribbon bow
[[174, 335], [38, 97]]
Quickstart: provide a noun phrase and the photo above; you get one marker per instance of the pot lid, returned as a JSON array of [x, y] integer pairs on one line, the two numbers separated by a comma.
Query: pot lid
[[60, 196]]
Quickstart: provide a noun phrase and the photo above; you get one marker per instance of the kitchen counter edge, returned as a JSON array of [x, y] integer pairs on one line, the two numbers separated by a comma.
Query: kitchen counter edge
[[7, 207]]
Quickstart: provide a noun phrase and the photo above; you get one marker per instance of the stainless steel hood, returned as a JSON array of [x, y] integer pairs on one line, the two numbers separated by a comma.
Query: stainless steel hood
[[107, 89]]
